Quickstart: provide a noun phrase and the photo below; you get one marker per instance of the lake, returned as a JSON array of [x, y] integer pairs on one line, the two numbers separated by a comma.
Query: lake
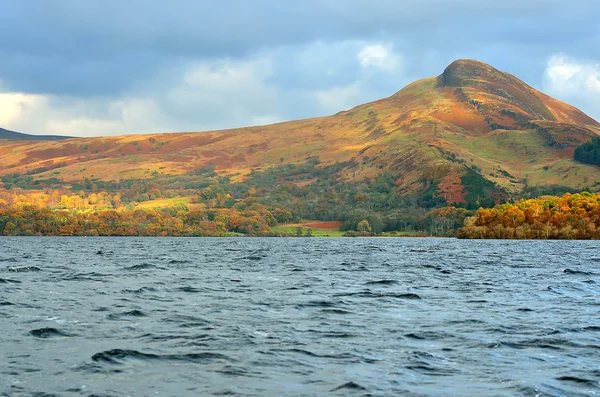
[[298, 317]]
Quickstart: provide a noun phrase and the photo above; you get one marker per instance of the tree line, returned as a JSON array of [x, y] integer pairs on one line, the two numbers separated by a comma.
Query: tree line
[[571, 216], [589, 152], [288, 193], [31, 220]]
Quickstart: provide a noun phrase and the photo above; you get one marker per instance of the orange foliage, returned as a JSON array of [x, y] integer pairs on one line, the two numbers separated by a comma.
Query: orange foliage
[[100, 213], [451, 188], [572, 216]]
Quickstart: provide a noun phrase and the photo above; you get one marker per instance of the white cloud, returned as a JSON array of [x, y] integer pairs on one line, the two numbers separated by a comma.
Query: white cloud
[[575, 81], [378, 56], [338, 98], [14, 105], [204, 96], [569, 75], [34, 113]]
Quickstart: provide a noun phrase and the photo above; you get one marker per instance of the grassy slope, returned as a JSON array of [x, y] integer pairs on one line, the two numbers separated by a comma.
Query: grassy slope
[[432, 129]]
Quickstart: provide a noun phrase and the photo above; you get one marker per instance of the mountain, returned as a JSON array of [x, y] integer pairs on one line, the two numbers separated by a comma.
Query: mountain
[[11, 135], [473, 134]]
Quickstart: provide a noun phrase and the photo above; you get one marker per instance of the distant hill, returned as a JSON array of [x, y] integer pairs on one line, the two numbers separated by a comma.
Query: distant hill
[[472, 135], [6, 134]]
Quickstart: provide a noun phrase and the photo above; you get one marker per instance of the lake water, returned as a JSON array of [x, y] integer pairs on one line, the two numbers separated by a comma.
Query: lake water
[[298, 317]]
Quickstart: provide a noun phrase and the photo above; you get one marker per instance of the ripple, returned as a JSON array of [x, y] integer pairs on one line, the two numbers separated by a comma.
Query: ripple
[[9, 281], [189, 290], [253, 257], [430, 370], [382, 282], [178, 262], [23, 269], [577, 380], [336, 311], [91, 276], [429, 335], [349, 386], [577, 272], [319, 303], [46, 333], [369, 294], [131, 313], [118, 356], [143, 266], [340, 356]]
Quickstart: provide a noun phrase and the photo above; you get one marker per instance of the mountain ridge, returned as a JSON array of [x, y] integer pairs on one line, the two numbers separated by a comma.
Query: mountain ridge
[[471, 125], [19, 136]]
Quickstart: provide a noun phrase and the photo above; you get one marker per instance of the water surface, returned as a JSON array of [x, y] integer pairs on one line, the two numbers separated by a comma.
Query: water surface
[[298, 317]]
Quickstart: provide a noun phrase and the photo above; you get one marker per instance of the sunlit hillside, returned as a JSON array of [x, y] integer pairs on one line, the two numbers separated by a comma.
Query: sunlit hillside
[[471, 132]]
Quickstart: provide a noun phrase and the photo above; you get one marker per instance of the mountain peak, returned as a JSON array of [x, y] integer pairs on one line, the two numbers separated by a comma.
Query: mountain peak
[[504, 100], [464, 72]]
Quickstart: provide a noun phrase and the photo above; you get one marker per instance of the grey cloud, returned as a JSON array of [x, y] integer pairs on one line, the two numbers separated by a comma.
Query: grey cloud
[[98, 57], [101, 46]]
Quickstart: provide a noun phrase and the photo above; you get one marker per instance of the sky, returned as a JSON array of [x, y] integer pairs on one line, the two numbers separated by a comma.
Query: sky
[[112, 67]]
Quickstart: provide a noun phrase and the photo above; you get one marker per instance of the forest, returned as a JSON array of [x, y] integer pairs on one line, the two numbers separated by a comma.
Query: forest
[[589, 152], [203, 203], [278, 195], [572, 216]]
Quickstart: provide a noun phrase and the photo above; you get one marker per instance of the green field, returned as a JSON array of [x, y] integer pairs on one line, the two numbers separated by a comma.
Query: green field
[[292, 231]]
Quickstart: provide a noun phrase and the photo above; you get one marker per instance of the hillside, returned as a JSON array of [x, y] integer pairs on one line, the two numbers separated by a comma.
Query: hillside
[[473, 135], [18, 136]]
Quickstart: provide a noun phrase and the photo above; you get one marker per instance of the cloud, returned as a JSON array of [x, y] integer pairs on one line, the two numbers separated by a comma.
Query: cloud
[[378, 56], [218, 93], [46, 114], [14, 105], [338, 98], [574, 80], [567, 75], [112, 67], [95, 47], [206, 95]]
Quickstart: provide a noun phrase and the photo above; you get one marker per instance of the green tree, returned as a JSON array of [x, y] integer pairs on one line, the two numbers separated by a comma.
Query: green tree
[[589, 152]]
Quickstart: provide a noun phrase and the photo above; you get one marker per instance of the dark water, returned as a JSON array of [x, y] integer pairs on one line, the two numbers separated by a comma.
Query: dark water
[[298, 317]]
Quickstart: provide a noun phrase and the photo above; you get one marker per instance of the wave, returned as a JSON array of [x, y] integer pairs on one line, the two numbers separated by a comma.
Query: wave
[[253, 257], [349, 386], [131, 313], [178, 262], [9, 281], [319, 303], [382, 282], [143, 266], [340, 356], [337, 311], [23, 269], [576, 379], [579, 272], [46, 333], [117, 356], [369, 294]]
